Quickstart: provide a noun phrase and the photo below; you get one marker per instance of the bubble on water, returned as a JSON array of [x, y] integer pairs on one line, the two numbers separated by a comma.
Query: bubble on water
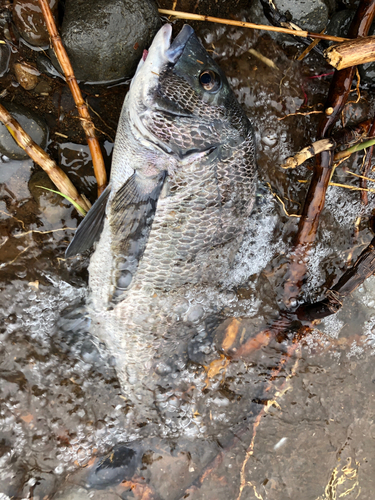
[[259, 245], [343, 206], [332, 326], [369, 333], [355, 351], [269, 137]]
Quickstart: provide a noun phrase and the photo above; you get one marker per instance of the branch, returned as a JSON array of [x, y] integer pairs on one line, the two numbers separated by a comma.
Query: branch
[[351, 53], [241, 24], [36, 153], [87, 125]]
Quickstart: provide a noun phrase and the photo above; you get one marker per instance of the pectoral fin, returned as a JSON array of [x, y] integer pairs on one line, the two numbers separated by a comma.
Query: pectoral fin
[[131, 215], [90, 228], [134, 204]]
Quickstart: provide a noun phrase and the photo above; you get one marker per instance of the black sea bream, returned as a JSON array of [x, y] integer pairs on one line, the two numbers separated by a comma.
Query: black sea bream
[[182, 187]]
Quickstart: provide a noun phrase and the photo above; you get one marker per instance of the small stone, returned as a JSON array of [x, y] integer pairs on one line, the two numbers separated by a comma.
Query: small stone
[[43, 88], [31, 123], [118, 465], [27, 75], [105, 39], [29, 21]]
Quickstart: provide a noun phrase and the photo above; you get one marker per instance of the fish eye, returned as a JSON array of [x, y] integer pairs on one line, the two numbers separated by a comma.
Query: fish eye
[[209, 80]]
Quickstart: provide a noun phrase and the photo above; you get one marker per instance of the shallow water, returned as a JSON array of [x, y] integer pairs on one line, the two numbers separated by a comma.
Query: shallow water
[[61, 404]]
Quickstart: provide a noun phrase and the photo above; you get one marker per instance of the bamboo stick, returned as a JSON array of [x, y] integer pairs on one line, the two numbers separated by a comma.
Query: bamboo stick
[[36, 153], [265, 27], [351, 53], [87, 125]]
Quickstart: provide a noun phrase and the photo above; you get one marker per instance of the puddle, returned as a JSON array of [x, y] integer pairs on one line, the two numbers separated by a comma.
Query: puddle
[[60, 401]]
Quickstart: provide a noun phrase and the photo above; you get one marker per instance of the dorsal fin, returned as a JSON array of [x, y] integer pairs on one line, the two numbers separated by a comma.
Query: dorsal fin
[[90, 228]]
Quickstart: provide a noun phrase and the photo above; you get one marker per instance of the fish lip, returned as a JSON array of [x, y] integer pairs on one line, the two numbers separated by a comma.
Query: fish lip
[[177, 46]]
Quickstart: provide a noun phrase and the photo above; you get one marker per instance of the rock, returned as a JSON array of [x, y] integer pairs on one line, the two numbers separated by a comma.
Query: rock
[[339, 23], [45, 65], [32, 124], [352, 4], [105, 38], [29, 21], [43, 88], [310, 15], [4, 59], [118, 465], [367, 71], [27, 75]]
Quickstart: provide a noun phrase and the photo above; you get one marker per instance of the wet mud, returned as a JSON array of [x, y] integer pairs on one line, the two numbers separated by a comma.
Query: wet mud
[[67, 431]]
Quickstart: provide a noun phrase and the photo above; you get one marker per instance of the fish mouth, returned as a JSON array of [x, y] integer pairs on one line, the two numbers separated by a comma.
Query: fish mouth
[[176, 48]]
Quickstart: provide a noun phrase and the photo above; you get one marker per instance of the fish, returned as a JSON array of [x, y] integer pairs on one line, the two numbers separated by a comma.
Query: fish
[[169, 224]]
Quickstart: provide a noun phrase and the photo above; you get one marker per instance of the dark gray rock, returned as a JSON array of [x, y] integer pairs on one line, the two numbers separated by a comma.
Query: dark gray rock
[[351, 4], [45, 65], [311, 15], [340, 22], [105, 38], [367, 72], [118, 465], [32, 124]]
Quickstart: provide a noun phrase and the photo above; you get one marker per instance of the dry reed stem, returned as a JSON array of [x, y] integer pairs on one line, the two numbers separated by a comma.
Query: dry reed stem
[[241, 24], [308, 152], [87, 125], [350, 53], [37, 154]]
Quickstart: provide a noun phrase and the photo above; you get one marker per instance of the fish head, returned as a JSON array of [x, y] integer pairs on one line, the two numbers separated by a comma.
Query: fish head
[[181, 100]]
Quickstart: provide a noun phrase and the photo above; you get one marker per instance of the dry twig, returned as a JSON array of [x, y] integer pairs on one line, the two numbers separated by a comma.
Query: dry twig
[[308, 152], [36, 153], [87, 125], [241, 24], [352, 52]]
